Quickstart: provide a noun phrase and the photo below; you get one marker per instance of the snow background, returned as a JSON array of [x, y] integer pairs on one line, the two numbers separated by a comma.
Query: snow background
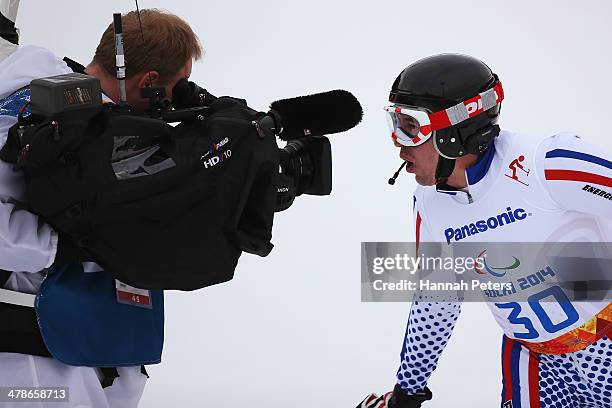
[[290, 329]]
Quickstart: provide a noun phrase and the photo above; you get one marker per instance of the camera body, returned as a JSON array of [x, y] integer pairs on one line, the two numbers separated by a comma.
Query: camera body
[[305, 163], [157, 206]]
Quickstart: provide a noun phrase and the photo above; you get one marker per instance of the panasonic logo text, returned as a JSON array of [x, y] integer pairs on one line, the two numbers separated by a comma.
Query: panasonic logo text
[[505, 218]]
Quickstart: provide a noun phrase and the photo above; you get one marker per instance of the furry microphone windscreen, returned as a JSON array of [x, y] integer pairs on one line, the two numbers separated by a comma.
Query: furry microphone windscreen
[[319, 114]]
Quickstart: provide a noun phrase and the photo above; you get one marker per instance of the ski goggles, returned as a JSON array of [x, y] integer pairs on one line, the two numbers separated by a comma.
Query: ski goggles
[[412, 126]]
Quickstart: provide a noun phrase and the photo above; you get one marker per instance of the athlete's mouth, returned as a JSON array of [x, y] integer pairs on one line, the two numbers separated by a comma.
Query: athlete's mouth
[[409, 166]]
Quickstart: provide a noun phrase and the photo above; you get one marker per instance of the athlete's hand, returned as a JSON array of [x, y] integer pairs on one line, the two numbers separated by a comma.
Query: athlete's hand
[[374, 401], [396, 399]]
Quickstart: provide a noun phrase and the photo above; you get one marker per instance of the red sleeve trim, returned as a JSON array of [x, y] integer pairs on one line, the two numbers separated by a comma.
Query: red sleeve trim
[[575, 175]]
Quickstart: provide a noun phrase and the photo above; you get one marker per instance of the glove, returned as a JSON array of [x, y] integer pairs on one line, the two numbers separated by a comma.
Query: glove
[[396, 399], [374, 401]]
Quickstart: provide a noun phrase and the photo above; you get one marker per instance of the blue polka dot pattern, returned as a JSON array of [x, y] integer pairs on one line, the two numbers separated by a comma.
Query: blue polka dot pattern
[[429, 328], [576, 380]]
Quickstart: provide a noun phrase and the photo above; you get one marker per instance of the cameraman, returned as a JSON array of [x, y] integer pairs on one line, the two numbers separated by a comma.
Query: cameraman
[[28, 246]]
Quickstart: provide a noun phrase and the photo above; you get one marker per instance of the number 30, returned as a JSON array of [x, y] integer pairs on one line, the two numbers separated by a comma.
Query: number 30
[[534, 303]]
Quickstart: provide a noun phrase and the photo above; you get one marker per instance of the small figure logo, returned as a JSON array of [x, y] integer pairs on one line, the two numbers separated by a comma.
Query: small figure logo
[[515, 165], [508, 404]]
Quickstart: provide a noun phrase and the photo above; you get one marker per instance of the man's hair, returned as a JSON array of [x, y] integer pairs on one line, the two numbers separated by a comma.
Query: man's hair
[[165, 44]]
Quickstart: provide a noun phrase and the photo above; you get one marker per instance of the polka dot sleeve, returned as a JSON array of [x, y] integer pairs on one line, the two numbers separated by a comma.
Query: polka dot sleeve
[[429, 328]]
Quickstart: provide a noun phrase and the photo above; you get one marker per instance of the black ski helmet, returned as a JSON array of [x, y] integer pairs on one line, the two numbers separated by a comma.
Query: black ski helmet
[[440, 82]]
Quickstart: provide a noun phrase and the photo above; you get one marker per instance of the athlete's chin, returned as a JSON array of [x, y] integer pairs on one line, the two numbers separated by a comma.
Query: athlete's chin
[[424, 180]]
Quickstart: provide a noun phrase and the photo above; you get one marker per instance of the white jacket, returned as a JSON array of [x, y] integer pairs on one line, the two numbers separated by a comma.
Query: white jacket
[[26, 243], [29, 245]]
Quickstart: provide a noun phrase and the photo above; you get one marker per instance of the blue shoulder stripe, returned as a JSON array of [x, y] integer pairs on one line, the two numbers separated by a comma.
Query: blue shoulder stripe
[[570, 154]]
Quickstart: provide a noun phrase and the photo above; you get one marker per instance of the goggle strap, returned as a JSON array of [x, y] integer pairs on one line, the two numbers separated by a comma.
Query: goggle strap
[[459, 113], [488, 99], [455, 114]]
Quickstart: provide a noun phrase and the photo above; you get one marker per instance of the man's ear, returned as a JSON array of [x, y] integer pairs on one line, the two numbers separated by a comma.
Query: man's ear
[[147, 79]]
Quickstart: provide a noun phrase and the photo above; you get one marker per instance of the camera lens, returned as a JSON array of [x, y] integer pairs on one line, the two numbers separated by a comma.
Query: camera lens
[[295, 161]]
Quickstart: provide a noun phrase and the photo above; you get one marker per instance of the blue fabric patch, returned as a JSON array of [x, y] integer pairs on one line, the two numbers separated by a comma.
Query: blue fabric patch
[[10, 105], [478, 170], [82, 324]]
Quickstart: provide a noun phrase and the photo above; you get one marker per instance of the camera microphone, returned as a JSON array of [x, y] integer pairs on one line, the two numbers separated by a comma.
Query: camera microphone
[[397, 173], [317, 115]]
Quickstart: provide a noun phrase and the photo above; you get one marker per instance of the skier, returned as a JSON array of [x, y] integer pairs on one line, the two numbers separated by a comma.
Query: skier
[[459, 156], [97, 351], [514, 166]]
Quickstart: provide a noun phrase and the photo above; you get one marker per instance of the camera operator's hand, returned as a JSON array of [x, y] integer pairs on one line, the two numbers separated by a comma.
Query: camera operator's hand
[[187, 94], [396, 399]]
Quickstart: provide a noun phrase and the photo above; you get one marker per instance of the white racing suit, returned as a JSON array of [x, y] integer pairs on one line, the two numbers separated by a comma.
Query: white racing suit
[[523, 190], [27, 247]]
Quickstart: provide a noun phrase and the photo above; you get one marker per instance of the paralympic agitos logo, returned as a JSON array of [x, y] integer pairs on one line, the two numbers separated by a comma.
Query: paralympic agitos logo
[[498, 271], [508, 217]]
